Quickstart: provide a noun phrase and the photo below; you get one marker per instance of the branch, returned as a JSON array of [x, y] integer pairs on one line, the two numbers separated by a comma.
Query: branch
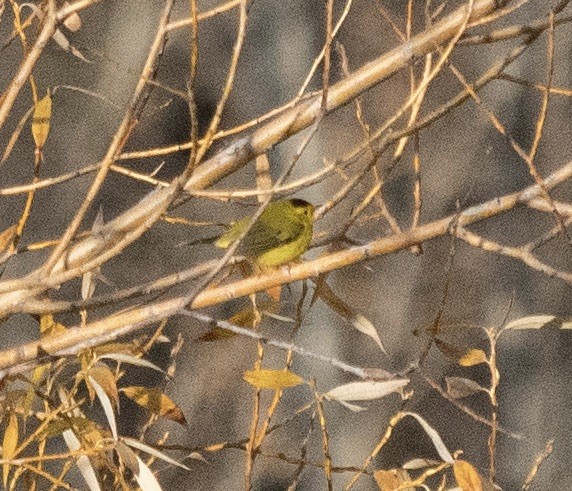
[[109, 328], [94, 250]]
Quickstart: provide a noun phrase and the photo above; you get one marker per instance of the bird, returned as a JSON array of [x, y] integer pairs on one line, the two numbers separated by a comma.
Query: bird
[[281, 234]]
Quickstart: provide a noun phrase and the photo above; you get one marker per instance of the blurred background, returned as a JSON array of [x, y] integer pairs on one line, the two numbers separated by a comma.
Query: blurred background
[[464, 161]]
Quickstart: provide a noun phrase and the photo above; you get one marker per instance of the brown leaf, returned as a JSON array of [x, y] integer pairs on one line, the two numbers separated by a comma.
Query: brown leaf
[[153, 399], [467, 476], [272, 379], [459, 387]]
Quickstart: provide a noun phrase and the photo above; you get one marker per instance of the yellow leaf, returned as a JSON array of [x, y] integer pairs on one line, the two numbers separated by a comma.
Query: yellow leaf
[[9, 444], [467, 476], [101, 373], [41, 120], [153, 399], [49, 327], [390, 480], [473, 357], [245, 317], [463, 356], [55, 427], [35, 380], [272, 379]]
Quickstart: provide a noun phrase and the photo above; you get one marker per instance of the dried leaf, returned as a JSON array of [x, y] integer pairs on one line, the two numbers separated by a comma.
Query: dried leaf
[[49, 327], [72, 21], [473, 357], [41, 120], [458, 387], [63, 43], [216, 334], [80, 424], [103, 375], [139, 445], [390, 480], [463, 356], [127, 456], [6, 237], [245, 317], [366, 391], [272, 379], [83, 463], [87, 285], [153, 399], [145, 477], [132, 360], [9, 445], [467, 476], [357, 320], [102, 381], [35, 380], [539, 322], [415, 464], [435, 438], [352, 407]]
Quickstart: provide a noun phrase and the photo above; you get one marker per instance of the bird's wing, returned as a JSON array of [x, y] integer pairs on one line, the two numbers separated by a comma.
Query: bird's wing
[[264, 236]]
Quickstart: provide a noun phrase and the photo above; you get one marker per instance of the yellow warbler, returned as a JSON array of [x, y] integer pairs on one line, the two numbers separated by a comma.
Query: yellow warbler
[[282, 233]]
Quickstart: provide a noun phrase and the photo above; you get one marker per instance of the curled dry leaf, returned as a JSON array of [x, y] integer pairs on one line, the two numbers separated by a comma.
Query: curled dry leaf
[[473, 357], [133, 360], [272, 379], [62, 41]]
